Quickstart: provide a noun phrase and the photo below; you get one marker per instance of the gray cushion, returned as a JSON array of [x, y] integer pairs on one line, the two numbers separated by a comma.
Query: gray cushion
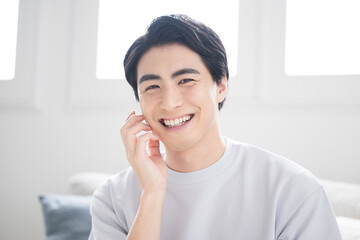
[[66, 217]]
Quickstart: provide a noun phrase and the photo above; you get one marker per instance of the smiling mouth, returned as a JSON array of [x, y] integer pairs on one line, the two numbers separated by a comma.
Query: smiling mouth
[[170, 123]]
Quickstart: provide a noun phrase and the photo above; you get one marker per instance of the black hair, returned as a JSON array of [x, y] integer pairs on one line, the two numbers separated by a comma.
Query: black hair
[[183, 30]]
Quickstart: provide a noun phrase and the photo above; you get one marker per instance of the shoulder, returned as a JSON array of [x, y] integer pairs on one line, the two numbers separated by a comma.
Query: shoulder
[[274, 169], [295, 196]]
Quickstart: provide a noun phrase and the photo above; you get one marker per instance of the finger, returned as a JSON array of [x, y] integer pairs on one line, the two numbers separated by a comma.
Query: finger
[[130, 135], [132, 113], [143, 140], [131, 120], [137, 128], [154, 147]]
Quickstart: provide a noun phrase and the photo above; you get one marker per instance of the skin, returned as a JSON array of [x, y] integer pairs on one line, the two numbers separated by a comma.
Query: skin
[[173, 82]]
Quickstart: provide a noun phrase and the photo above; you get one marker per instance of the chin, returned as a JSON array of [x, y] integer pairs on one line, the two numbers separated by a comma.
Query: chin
[[176, 145]]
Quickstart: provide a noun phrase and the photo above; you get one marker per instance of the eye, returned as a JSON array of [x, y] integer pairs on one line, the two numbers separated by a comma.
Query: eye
[[151, 87], [186, 80]]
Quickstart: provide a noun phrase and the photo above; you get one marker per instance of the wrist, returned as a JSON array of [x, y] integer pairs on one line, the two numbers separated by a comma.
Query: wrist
[[153, 200], [153, 196]]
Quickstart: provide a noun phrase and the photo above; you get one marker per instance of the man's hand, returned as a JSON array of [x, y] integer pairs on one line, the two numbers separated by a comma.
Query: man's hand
[[149, 168], [151, 171]]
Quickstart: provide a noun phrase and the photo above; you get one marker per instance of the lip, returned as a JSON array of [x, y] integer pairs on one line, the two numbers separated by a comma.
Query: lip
[[162, 121]]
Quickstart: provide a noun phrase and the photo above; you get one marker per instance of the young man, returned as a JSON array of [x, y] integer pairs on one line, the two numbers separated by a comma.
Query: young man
[[204, 186]]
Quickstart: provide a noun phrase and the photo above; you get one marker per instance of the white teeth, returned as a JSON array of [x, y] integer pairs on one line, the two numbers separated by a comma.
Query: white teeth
[[177, 122]]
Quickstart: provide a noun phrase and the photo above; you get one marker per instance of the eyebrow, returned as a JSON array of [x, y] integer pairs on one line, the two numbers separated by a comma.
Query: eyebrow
[[148, 77], [182, 71]]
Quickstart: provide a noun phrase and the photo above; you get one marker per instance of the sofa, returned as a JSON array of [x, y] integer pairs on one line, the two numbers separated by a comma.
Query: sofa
[[67, 217]]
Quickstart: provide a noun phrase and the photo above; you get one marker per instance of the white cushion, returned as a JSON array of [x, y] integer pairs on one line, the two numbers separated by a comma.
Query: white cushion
[[85, 183], [349, 228], [344, 197]]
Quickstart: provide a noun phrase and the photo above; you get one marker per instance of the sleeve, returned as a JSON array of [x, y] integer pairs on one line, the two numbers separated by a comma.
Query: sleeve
[[104, 220], [312, 219]]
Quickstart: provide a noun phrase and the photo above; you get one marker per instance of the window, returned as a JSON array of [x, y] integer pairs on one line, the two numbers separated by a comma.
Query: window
[[302, 83], [120, 23], [20, 19], [322, 37], [8, 32]]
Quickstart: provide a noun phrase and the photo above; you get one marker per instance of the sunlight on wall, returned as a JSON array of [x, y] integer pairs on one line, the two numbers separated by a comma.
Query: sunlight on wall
[[322, 37], [8, 35]]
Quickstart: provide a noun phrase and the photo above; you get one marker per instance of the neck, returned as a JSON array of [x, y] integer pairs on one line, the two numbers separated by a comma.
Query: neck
[[203, 154]]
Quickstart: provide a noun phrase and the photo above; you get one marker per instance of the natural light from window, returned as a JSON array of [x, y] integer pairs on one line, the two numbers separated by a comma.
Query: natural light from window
[[8, 35], [322, 37], [122, 22]]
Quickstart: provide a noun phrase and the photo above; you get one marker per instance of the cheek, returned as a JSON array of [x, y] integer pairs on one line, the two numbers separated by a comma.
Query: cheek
[[202, 96], [145, 109]]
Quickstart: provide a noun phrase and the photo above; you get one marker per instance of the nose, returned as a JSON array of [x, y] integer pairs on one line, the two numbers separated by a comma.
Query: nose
[[171, 99]]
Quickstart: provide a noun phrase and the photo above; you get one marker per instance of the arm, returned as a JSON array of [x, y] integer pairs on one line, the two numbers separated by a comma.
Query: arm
[[151, 172], [147, 222]]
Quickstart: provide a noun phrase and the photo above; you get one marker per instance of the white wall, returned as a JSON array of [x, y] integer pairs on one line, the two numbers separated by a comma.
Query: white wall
[[45, 142]]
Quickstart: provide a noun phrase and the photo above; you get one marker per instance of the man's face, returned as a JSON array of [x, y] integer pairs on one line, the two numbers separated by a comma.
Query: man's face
[[178, 96]]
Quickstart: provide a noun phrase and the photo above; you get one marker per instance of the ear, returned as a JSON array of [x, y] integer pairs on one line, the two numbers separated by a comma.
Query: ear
[[222, 90]]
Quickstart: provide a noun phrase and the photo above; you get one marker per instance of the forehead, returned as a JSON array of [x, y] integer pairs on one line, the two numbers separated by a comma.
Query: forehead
[[165, 60]]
